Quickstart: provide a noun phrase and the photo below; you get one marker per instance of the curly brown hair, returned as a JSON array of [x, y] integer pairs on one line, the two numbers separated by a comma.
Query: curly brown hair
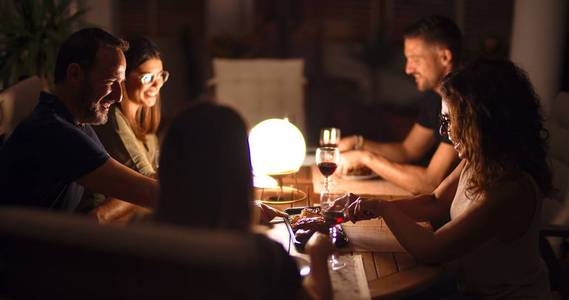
[[496, 118]]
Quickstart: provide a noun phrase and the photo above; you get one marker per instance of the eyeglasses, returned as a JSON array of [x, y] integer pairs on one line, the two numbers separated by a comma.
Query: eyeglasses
[[149, 78], [444, 120]]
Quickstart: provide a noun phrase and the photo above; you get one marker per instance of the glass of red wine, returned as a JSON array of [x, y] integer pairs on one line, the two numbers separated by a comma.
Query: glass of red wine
[[330, 137], [333, 212], [327, 160]]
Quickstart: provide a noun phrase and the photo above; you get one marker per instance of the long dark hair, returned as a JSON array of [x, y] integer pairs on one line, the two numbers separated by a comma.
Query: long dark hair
[[205, 170], [496, 117], [147, 119]]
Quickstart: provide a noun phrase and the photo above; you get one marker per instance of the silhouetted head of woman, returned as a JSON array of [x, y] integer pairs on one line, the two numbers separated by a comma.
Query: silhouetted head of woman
[[205, 170], [495, 123]]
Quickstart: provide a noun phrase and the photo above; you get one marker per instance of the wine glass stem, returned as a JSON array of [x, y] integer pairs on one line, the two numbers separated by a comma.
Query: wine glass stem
[[335, 263], [327, 184]]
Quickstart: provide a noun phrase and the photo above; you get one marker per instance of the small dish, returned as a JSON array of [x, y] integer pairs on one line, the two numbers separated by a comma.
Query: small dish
[[336, 232]]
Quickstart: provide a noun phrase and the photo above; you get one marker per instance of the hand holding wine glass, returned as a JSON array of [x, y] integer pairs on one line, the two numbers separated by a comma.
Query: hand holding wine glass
[[327, 159], [334, 215]]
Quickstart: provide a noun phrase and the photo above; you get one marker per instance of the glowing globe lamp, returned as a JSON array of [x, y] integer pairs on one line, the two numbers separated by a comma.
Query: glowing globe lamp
[[277, 148]]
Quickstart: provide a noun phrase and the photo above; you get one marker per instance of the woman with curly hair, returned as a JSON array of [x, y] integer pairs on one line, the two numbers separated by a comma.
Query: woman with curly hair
[[491, 204]]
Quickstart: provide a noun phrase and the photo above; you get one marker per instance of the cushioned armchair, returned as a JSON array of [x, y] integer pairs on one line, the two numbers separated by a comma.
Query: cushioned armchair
[[45, 255], [17, 102]]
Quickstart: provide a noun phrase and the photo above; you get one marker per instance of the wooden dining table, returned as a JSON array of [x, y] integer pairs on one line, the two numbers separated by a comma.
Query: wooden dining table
[[390, 271]]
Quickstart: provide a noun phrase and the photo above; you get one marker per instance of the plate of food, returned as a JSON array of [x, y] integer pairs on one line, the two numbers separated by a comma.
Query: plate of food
[[304, 221], [363, 173]]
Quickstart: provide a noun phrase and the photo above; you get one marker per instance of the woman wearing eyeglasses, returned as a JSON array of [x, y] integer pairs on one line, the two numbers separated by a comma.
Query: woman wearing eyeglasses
[[130, 133], [491, 204]]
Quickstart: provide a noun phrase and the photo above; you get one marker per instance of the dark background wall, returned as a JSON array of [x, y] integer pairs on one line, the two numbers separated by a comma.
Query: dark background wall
[[352, 50]]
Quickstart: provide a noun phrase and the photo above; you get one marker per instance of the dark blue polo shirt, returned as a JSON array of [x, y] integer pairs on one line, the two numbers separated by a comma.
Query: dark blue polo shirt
[[43, 157], [431, 104]]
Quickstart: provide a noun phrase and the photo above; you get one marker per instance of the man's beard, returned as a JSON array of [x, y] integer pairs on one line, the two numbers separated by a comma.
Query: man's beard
[[92, 112], [425, 85]]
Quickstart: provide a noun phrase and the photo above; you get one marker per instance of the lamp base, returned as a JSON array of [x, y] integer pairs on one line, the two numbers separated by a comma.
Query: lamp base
[[280, 195]]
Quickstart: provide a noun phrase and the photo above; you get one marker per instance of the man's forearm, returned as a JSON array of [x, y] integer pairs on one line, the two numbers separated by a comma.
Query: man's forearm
[[150, 197], [392, 151], [412, 178], [117, 181], [111, 210]]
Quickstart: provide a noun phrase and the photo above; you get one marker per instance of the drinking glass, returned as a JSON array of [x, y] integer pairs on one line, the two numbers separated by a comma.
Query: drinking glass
[[327, 160], [334, 216], [157, 160], [330, 137]]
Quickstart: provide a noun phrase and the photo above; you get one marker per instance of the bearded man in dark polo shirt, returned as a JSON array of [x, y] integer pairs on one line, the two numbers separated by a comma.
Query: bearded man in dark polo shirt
[[432, 47], [54, 153]]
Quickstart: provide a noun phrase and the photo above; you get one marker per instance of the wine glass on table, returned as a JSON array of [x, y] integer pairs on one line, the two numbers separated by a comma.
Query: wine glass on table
[[333, 215], [330, 137], [327, 159]]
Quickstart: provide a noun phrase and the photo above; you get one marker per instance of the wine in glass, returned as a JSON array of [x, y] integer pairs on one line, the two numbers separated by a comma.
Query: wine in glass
[[334, 215], [327, 160], [329, 137]]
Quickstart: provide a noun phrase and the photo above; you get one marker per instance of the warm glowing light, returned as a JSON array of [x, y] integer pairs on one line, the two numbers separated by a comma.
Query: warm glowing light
[[277, 147], [264, 181]]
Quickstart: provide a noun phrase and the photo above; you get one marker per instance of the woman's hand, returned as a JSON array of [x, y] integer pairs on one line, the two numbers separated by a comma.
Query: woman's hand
[[341, 204], [318, 283], [319, 246], [267, 213], [364, 209]]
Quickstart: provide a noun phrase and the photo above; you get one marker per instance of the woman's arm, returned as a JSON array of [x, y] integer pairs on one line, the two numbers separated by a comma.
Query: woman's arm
[[318, 284], [484, 220], [433, 207]]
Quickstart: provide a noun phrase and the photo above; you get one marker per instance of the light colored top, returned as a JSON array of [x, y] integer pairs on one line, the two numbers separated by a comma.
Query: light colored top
[[502, 269], [118, 138], [121, 144]]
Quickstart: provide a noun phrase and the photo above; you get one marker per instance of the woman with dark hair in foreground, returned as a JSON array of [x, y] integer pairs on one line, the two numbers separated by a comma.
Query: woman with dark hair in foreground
[[206, 182], [491, 203]]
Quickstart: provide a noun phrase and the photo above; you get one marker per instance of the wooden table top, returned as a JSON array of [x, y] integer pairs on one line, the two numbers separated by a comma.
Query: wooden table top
[[391, 272]]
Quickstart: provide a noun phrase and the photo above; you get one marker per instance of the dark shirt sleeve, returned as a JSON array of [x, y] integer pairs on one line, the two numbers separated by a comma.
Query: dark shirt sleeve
[[429, 115], [73, 151]]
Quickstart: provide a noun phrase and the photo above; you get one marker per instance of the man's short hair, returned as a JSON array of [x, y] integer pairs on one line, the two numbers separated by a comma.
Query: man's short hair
[[440, 30], [81, 48]]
